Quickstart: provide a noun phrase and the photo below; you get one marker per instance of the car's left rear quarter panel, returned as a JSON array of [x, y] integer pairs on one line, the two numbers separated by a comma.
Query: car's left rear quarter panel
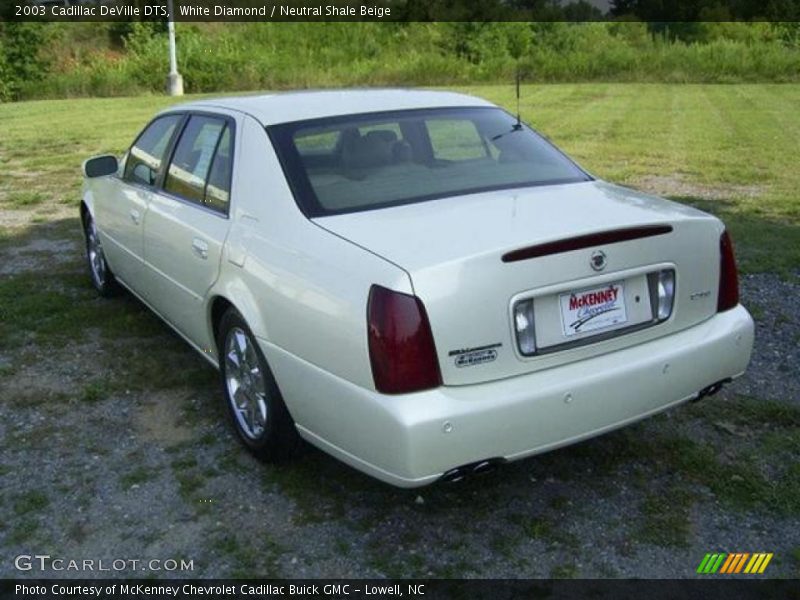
[[302, 290]]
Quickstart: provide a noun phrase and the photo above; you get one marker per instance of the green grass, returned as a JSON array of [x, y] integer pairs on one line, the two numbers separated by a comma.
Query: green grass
[[757, 471], [753, 411], [23, 531], [728, 149], [565, 571], [189, 483], [23, 199], [189, 478], [666, 517], [551, 531], [31, 502], [796, 560], [761, 474], [184, 463], [248, 562], [59, 308], [137, 476], [537, 527], [96, 391]]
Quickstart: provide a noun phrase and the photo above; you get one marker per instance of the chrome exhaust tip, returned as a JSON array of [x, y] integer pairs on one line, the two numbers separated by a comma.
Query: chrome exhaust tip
[[711, 389], [486, 466], [477, 468], [454, 475]]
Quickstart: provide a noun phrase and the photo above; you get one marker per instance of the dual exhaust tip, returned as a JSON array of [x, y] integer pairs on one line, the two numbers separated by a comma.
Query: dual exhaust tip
[[477, 468]]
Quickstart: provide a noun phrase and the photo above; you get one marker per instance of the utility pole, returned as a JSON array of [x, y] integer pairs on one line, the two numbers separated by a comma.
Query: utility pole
[[174, 79]]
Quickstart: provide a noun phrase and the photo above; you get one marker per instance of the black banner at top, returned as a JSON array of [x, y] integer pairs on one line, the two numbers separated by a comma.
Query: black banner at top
[[401, 10]]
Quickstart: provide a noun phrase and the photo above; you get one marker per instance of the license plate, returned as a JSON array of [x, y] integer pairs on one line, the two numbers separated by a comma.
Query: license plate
[[593, 309]]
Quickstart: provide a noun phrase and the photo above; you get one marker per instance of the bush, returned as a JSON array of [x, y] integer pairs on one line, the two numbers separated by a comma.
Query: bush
[[21, 60], [6, 91]]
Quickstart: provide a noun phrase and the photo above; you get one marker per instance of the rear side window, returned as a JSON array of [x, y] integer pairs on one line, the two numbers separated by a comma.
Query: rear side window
[[200, 169], [147, 154], [218, 188]]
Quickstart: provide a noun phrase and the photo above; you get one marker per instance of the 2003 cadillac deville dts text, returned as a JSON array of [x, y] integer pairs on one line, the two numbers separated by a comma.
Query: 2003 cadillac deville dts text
[[415, 282]]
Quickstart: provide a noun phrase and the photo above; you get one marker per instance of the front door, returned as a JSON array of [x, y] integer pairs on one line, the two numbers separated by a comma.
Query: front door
[[120, 219]]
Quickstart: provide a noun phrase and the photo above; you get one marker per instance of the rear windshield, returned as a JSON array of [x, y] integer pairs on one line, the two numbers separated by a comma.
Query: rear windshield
[[364, 162]]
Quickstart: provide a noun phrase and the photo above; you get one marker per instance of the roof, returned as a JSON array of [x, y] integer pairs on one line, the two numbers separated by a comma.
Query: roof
[[286, 107]]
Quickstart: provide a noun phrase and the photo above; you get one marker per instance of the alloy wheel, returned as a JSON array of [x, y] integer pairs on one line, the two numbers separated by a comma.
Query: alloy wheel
[[245, 383]]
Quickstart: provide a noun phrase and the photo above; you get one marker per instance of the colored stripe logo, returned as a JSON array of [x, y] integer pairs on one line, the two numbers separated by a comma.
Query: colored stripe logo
[[732, 564]]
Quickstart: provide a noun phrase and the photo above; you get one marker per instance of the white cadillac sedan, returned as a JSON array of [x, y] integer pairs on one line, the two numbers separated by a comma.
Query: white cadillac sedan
[[413, 281]]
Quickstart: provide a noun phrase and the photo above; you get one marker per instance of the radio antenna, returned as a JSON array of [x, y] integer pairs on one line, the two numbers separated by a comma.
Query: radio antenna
[[516, 126]]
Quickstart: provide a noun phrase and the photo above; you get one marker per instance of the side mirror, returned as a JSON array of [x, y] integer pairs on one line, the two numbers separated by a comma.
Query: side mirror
[[100, 166]]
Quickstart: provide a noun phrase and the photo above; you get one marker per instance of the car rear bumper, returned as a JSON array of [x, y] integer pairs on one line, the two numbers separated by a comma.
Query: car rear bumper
[[411, 440]]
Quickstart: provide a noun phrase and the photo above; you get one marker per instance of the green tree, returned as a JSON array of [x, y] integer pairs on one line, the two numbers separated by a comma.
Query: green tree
[[22, 43], [5, 76], [478, 41], [788, 33]]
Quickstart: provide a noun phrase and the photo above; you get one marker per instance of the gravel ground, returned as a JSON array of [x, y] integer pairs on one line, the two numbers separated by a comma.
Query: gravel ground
[[775, 304], [93, 469]]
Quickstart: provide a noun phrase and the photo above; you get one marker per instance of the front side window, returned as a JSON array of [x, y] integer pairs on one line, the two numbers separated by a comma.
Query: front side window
[[363, 162], [200, 167], [147, 153]]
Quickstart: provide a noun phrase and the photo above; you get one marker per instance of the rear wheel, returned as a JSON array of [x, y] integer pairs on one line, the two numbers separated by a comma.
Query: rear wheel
[[254, 401], [100, 273]]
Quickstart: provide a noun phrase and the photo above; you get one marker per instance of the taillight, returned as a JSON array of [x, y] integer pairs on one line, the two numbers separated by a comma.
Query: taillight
[[401, 348], [728, 296]]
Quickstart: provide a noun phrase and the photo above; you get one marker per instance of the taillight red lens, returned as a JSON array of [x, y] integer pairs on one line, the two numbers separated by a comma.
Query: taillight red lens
[[401, 347], [728, 276]]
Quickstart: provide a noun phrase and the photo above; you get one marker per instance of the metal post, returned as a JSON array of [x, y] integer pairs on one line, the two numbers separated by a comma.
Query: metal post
[[174, 79]]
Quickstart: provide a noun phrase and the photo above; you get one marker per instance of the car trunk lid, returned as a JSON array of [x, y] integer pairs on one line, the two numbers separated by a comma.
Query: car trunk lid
[[471, 258]]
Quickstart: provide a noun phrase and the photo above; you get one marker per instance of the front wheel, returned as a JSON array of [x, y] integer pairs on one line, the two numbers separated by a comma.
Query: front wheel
[[254, 401], [101, 275]]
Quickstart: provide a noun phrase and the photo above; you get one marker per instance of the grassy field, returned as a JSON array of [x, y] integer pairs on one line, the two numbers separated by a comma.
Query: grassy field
[[730, 149], [112, 432]]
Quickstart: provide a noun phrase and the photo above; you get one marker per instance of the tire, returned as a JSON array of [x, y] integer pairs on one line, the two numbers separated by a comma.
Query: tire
[[100, 273], [254, 402]]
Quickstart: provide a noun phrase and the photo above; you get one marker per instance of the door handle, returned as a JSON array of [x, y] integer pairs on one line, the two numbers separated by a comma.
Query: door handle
[[135, 216], [200, 248]]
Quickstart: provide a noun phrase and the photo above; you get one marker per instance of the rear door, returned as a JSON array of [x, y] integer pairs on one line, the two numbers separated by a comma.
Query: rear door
[[121, 214], [187, 223]]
